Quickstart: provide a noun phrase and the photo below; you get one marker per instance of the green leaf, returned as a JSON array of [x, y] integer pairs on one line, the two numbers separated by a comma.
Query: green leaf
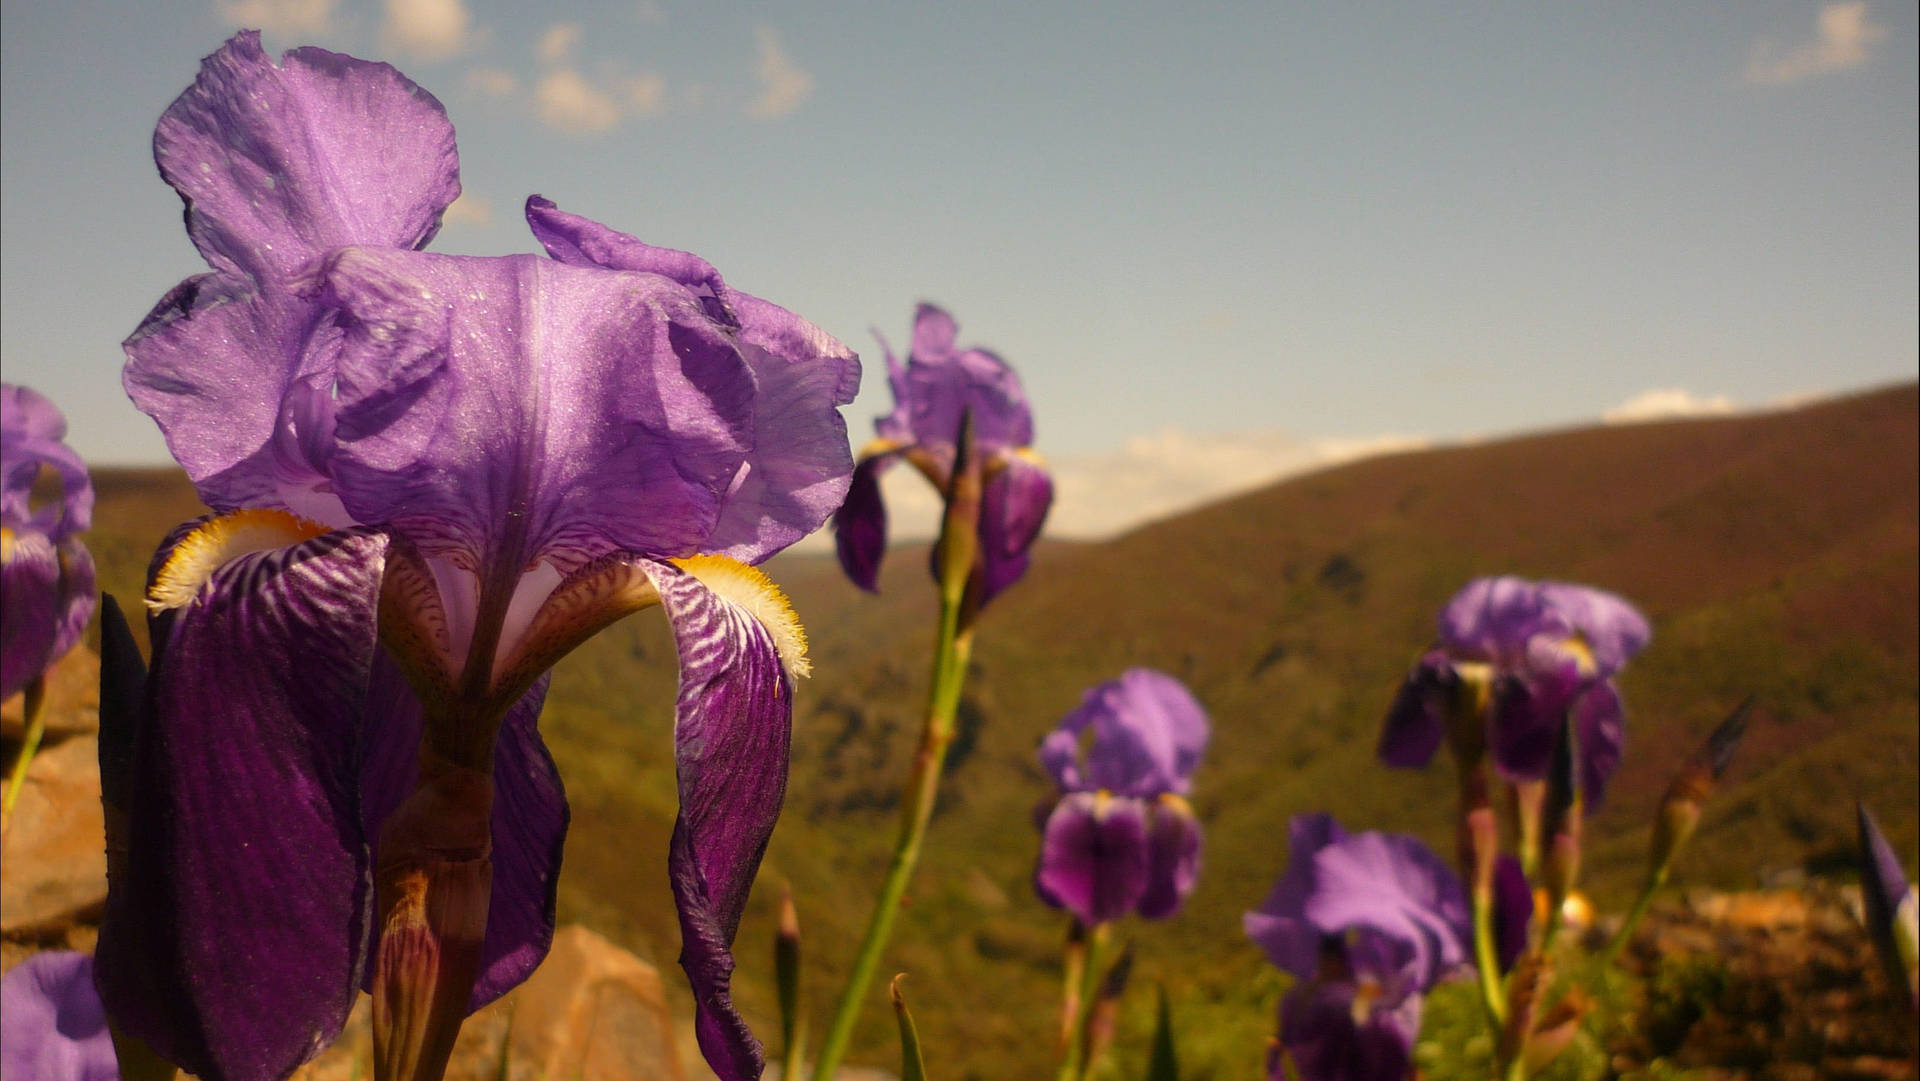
[[1163, 1065], [911, 1067]]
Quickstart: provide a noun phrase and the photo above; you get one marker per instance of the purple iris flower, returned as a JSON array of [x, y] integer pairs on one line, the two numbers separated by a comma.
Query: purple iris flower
[[938, 386], [52, 1027], [46, 574], [1368, 924], [1533, 651], [1122, 838], [438, 475], [1892, 908]]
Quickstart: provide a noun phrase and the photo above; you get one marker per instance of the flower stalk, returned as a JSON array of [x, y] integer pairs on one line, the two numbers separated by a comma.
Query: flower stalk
[[955, 556], [1077, 1058], [35, 707]]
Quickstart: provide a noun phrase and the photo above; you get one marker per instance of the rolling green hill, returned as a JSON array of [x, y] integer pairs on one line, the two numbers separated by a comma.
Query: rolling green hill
[[1776, 554]]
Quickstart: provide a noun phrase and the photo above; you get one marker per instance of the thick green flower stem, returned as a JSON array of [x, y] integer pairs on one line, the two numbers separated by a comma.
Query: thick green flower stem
[[1479, 844], [432, 887], [35, 714], [959, 605], [1635, 914], [1073, 967], [1079, 1058]]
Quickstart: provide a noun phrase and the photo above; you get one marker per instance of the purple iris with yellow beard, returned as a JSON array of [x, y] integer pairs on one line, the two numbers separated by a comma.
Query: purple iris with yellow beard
[[436, 476], [46, 574], [940, 387], [1513, 658], [1367, 923], [1122, 838]]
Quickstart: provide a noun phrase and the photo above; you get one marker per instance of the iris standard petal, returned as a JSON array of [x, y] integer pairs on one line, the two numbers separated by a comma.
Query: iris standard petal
[[528, 822], [1278, 926], [897, 426], [975, 382], [233, 941], [933, 333], [1491, 619], [795, 472], [278, 164], [1013, 507], [1395, 885], [1173, 858], [1093, 857], [1417, 720], [732, 726], [1612, 629], [1148, 734], [52, 1027], [501, 410], [32, 434], [860, 525]]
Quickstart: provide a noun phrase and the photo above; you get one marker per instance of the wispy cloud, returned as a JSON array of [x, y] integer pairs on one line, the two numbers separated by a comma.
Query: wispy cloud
[[1667, 403], [568, 102], [469, 209], [557, 43], [493, 82], [645, 94], [1843, 39], [290, 17], [784, 85], [429, 29]]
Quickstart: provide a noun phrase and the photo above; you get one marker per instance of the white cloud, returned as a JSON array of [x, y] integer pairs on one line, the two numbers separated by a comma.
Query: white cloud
[[646, 94], [1843, 38], [291, 17], [429, 29], [784, 85], [1667, 403], [570, 103], [558, 42], [493, 82], [469, 209]]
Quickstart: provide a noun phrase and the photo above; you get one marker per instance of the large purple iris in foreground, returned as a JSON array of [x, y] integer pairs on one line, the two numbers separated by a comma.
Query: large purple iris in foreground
[[437, 475], [940, 385], [1521, 655], [1367, 923], [46, 574], [1122, 838]]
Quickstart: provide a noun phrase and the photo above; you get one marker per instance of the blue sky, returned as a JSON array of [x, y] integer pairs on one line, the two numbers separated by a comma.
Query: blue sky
[[1218, 240]]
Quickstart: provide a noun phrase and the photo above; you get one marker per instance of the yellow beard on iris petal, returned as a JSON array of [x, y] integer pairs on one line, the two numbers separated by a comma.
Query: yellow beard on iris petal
[[220, 541], [748, 588]]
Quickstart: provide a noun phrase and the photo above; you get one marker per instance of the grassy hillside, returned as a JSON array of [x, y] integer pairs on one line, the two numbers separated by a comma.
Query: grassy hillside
[[1775, 554]]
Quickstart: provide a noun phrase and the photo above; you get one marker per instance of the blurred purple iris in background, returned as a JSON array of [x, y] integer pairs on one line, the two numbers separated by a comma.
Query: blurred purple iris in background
[[1530, 651], [1122, 838], [938, 386], [1367, 924], [1892, 908], [438, 475], [46, 574], [51, 1025]]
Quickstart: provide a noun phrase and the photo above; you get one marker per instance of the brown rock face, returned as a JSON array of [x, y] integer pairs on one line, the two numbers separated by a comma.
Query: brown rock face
[[73, 700], [53, 845], [596, 1012]]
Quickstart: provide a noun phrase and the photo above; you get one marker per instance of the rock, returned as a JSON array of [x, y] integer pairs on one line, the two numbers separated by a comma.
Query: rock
[[53, 845], [73, 700], [594, 1012]]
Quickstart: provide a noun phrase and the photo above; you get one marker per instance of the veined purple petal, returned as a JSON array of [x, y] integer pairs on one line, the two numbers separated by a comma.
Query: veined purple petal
[[1492, 619], [1417, 720], [1173, 858], [1093, 857], [974, 381], [1393, 884], [1512, 911], [528, 821], [732, 726], [1013, 506], [30, 596], [795, 473], [860, 525], [277, 165], [1600, 723], [1613, 629], [52, 1027], [1320, 1032], [1148, 735], [234, 939], [32, 434], [1278, 926], [499, 410]]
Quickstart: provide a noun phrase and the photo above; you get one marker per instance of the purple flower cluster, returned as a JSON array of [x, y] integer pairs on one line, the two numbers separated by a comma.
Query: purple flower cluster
[[1533, 651], [1367, 923], [52, 1027], [1122, 838], [940, 385], [437, 474], [46, 574]]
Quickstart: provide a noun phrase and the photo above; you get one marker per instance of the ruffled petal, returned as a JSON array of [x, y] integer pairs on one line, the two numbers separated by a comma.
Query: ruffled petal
[[1148, 735], [860, 525], [1173, 858], [507, 409], [280, 164], [234, 939], [1013, 507], [52, 1027], [1393, 884], [796, 473], [933, 333], [1093, 857], [1417, 720], [897, 426], [976, 382], [1492, 619], [32, 431], [1613, 629], [1279, 926], [528, 822]]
